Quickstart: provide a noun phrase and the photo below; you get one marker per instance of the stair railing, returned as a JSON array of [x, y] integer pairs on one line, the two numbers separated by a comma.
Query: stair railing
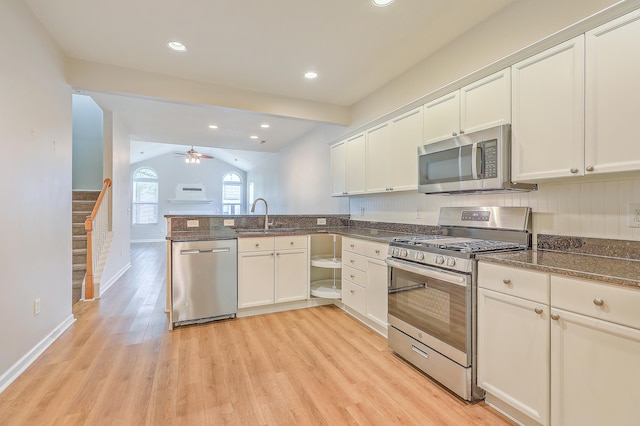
[[97, 227]]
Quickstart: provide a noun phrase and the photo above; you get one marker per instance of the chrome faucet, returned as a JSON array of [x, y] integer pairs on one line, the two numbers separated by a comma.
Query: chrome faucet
[[266, 211]]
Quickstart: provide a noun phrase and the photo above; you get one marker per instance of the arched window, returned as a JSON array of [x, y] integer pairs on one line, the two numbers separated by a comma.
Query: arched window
[[231, 193], [145, 196]]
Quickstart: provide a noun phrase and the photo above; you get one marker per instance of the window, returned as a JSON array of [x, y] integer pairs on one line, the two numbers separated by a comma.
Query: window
[[231, 193], [145, 196]]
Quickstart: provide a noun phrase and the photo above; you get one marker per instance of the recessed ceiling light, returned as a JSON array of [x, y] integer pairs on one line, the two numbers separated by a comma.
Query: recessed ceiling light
[[310, 75], [213, 126], [382, 3], [177, 46], [254, 137], [264, 126]]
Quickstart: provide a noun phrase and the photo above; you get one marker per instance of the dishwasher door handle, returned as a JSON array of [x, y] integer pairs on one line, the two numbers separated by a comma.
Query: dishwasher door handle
[[211, 250]]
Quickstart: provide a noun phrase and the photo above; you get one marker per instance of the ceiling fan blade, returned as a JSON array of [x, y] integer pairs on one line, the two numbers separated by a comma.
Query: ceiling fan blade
[[205, 156]]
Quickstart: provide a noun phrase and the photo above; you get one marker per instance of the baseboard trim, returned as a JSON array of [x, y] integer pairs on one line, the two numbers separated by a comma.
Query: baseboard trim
[[151, 240], [29, 358], [112, 281]]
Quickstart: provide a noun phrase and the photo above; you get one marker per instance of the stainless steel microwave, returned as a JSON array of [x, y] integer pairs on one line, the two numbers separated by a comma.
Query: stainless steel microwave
[[469, 163]]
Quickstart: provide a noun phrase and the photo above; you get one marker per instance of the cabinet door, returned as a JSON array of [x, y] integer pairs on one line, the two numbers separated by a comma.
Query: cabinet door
[[486, 103], [356, 157], [595, 373], [338, 169], [376, 291], [378, 160], [548, 113], [442, 117], [513, 352], [255, 279], [292, 281], [613, 95], [405, 136]]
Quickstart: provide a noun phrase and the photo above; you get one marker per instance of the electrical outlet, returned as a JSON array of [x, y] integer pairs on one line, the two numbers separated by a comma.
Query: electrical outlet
[[361, 211], [36, 307], [322, 221], [193, 223], [418, 213], [634, 215], [229, 222]]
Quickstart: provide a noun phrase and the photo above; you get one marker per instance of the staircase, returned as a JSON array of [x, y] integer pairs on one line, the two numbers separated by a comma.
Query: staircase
[[83, 203]]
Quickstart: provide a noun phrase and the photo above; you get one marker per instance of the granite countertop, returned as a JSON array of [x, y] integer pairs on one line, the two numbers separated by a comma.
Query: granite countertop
[[612, 270], [225, 233]]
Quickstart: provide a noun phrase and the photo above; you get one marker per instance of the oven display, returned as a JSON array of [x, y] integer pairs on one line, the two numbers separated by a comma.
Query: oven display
[[476, 216]]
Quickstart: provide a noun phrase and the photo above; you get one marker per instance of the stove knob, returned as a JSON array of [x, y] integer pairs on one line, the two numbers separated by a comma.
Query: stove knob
[[396, 251], [404, 253], [451, 262], [419, 256], [439, 260]]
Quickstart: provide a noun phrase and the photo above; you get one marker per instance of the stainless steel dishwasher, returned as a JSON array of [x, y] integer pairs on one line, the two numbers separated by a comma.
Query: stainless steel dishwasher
[[204, 277]]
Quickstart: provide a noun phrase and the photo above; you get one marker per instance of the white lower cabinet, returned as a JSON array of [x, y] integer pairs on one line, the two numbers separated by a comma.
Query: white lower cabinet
[[595, 353], [272, 270], [572, 360], [364, 280], [513, 338]]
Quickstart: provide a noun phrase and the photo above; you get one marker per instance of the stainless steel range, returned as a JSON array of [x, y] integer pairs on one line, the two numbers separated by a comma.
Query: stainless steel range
[[433, 289]]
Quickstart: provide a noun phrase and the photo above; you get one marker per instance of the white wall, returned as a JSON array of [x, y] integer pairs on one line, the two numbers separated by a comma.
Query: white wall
[[297, 180], [87, 143], [117, 167], [172, 170], [35, 180]]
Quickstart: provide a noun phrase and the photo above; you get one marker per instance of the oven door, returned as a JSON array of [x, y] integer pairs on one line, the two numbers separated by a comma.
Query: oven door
[[432, 305]]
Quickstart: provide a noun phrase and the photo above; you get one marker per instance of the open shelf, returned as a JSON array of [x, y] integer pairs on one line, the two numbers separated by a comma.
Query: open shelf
[[325, 289], [327, 261], [326, 266]]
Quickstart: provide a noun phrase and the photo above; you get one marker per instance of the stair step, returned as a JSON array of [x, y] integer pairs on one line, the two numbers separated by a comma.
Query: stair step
[[79, 217], [82, 205], [78, 229], [85, 195], [78, 275], [79, 242]]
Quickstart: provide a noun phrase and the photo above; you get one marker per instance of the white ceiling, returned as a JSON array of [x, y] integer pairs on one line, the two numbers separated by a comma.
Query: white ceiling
[[254, 45]]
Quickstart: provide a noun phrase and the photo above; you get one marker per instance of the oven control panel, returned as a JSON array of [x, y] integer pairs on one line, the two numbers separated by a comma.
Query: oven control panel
[[427, 258]]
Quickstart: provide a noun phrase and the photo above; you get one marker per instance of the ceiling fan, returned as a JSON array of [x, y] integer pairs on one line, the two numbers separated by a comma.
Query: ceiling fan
[[192, 156]]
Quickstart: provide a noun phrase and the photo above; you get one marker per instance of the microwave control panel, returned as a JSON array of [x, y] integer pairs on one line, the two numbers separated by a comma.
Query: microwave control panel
[[490, 154]]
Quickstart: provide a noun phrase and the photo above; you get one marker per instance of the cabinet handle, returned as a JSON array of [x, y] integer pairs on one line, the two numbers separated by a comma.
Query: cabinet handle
[[345, 193], [538, 311], [353, 292], [589, 168], [506, 281], [573, 170], [390, 189], [351, 260], [555, 317], [352, 276], [598, 302]]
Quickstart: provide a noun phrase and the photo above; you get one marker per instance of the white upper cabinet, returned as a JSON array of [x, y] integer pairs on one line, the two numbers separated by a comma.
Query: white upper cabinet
[[612, 95], [482, 104], [392, 153], [348, 166], [338, 169], [548, 113]]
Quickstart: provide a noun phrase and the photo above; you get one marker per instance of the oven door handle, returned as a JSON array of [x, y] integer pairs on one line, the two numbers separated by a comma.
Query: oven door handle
[[457, 279]]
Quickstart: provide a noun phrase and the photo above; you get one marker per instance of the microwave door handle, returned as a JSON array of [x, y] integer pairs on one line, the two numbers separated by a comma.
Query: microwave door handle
[[474, 160]]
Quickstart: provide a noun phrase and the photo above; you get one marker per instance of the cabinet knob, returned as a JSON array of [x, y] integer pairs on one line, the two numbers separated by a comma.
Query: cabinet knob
[[257, 245], [352, 276], [589, 168], [454, 134], [573, 170], [506, 281], [351, 245], [598, 302], [291, 243], [353, 292], [345, 193], [390, 189], [555, 317], [461, 132], [377, 251], [538, 311], [351, 260]]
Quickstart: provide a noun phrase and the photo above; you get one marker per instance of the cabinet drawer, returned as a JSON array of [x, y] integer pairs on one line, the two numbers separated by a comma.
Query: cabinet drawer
[[598, 300], [354, 245], [376, 250], [291, 242], [354, 275], [354, 296], [255, 244], [354, 260], [531, 285]]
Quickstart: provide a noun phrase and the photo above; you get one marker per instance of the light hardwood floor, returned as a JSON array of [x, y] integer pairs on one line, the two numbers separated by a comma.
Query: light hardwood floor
[[119, 365]]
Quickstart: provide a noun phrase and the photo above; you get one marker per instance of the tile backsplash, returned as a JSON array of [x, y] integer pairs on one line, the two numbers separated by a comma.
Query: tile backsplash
[[596, 209]]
